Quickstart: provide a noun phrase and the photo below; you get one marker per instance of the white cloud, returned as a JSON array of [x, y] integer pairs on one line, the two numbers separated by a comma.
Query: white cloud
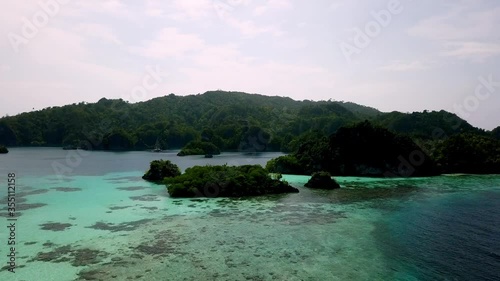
[[335, 5], [191, 10], [230, 12], [115, 8], [272, 5], [55, 46], [463, 31], [169, 42], [407, 65], [100, 31], [154, 8], [249, 28], [5, 68], [476, 51]]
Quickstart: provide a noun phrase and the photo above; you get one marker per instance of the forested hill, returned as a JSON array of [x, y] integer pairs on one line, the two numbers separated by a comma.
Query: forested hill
[[230, 120]]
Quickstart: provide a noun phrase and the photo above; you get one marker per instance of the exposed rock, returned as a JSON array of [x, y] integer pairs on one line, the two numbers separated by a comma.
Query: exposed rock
[[322, 180]]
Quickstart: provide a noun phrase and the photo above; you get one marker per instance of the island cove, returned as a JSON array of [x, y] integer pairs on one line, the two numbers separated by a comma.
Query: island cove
[[358, 150], [377, 151]]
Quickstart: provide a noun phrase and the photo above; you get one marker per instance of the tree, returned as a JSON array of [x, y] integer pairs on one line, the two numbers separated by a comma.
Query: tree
[[496, 133], [199, 148], [469, 153], [161, 169], [226, 181], [322, 180], [3, 150]]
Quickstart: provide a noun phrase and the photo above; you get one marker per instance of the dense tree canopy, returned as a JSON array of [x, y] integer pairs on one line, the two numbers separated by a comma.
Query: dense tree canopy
[[427, 125], [496, 133], [469, 153], [229, 120], [319, 135], [226, 181], [199, 148], [322, 180], [3, 149], [161, 169], [358, 150]]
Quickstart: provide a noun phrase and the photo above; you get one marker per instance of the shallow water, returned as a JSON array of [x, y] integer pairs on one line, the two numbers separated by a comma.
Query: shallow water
[[102, 221]]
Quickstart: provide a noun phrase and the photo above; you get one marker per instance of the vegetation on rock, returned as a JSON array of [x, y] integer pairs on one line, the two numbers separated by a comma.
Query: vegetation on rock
[[232, 121], [226, 181], [3, 149], [320, 135], [358, 150], [287, 164], [469, 153], [160, 169], [199, 148], [322, 180], [496, 133]]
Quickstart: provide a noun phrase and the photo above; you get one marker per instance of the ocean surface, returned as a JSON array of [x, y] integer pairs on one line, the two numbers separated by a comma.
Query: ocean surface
[[89, 216]]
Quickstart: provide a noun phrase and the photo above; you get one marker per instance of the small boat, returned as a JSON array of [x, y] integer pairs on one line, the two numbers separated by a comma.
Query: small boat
[[157, 147], [209, 156]]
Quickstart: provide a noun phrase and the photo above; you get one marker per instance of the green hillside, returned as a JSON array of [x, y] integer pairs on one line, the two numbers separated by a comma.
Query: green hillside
[[230, 120]]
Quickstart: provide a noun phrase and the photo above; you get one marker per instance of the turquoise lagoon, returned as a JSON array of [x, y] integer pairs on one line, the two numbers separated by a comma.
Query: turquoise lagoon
[[101, 221]]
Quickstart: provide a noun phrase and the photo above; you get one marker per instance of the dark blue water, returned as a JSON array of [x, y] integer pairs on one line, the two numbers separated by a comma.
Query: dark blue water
[[454, 236]]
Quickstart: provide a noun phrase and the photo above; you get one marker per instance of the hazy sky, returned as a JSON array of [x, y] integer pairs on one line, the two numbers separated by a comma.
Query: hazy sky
[[393, 55]]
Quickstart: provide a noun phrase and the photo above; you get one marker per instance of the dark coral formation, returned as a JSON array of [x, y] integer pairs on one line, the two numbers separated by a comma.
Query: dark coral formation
[[77, 257], [163, 244], [131, 188], [67, 189], [145, 197], [23, 207], [55, 226], [119, 207], [124, 226]]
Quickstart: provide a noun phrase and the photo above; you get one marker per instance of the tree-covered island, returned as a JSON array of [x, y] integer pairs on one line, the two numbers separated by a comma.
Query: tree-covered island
[[199, 148], [226, 181], [160, 169], [358, 150], [216, 181], [3, 149], [322, 180]]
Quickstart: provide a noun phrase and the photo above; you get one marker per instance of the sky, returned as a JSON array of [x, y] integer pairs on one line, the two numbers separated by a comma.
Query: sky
[[394, 55]]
